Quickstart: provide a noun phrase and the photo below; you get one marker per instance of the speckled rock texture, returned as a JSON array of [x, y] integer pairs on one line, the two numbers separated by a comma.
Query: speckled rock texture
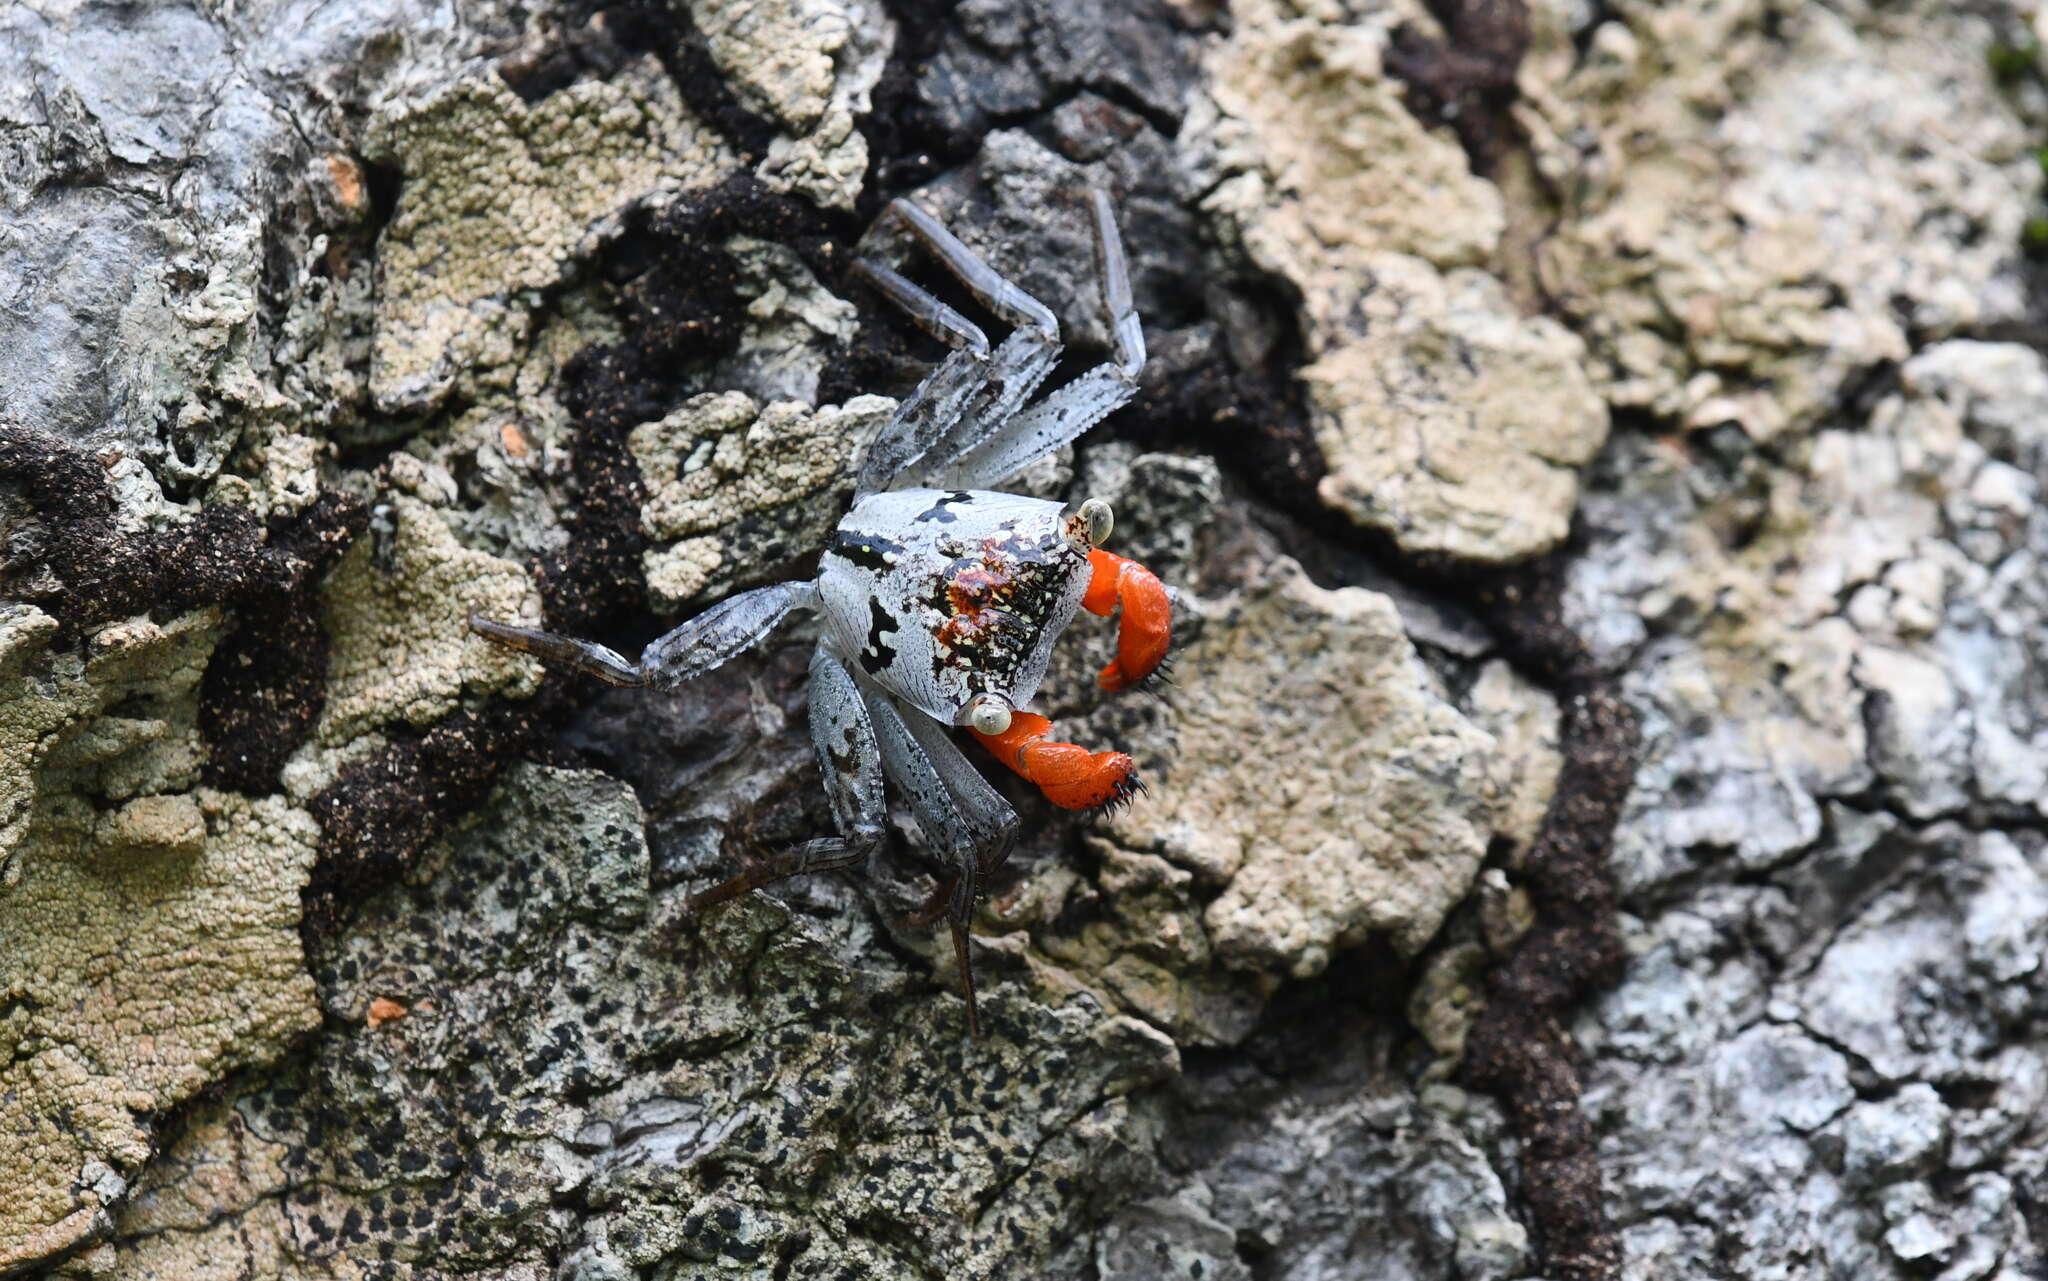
[[1595, 818]]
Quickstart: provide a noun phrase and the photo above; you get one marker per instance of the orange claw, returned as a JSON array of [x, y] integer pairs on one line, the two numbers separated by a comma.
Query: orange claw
[[1147, 626], [1071, 777]]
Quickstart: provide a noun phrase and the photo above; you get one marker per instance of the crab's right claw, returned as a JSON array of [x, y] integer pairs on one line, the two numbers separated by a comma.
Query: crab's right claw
[[1070, 776], [1147, 627]]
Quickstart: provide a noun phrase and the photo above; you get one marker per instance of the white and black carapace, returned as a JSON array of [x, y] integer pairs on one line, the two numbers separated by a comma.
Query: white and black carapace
[[941, 597]]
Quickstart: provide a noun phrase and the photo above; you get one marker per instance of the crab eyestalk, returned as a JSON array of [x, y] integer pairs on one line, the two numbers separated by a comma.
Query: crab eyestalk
[[1089, 524], [987, 714], [1147, 626]]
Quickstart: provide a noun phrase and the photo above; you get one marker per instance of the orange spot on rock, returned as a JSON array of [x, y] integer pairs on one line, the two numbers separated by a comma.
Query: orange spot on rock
[[383, 1010], [347, 177], [515, 443]]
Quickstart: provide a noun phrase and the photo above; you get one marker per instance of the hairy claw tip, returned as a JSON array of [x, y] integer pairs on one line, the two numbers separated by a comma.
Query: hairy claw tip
[[1126, 793], [1160, 675]]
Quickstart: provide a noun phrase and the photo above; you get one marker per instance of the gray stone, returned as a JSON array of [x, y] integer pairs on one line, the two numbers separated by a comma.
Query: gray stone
[[1897, 1138]]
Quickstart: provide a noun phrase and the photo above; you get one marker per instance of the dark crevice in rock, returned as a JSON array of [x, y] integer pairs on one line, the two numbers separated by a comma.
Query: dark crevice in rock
[[1519, 1048], [1467, 79], [589, 41], [677, 294], [954, 77], [1252, 419], [222, 556], [264, 685], [697, 77], [907, 144], [261, 695], [382, 811]]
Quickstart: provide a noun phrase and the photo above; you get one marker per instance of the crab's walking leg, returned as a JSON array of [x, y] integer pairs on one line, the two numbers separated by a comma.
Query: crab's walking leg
[[956, 809], [995, 293], [852, 768], [1074, 408], [929, 314], [973, 389], [1072, 777], [727, 629], [1147, 626]]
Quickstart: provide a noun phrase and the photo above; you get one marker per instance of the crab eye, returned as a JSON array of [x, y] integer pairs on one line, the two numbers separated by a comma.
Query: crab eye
[[1098, 519], [988, 714]]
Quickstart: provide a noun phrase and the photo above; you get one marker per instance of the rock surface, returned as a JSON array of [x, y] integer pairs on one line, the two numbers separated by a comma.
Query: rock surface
[[1515, 369]]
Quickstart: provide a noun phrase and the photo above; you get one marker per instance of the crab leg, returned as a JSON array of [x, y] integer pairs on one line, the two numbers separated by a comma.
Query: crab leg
[[1147, 626], [996, 293], [1072, 777], [985, 451], [849, 760], [973, 390], [727, 629], [958, 812]]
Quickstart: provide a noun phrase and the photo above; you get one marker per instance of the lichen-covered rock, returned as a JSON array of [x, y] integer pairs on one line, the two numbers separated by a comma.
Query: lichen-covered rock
[[499, 199], [1729, 267], [707, 1088], [476, 274], [1832, 649], [1832, 603], [84, 733], [734, 487], [808, 65], [1317, 778], [139, 969], [130, 297], [1448, 419], [400, 648], [1308, 1169]]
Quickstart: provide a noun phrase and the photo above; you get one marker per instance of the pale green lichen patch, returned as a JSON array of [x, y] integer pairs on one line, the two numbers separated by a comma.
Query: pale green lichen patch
[[82, 731], [733, 486], [400, 648], [499, 199], [135, 974]]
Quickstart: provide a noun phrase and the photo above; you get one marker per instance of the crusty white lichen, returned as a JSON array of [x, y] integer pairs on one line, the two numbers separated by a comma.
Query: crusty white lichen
[[142, 963], [1318, 776], [734, 487], [1447, 418], [84, 730], [1762, 200], [1823, 610], [808, 66], [146, 929]]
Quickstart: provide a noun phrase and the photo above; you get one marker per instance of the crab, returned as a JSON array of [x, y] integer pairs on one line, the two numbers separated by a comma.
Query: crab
[[942, 597]]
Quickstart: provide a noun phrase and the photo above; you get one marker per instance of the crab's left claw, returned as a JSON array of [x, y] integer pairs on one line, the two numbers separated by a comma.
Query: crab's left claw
[[1147, 626]]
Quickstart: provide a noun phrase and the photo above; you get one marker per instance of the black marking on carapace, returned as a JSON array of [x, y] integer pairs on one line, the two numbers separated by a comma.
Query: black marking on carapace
[[878, 654], [868, 551], [939, 510]]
